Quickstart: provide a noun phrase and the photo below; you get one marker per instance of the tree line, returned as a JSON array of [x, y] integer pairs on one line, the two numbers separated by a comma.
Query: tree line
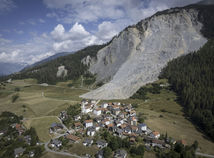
[[192, 77]]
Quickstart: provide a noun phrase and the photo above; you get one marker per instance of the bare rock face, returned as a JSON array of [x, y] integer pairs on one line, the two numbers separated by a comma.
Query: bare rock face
[[137, 56], [62, 72]]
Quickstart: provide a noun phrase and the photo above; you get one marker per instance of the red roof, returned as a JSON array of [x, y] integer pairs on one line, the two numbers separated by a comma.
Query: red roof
[[88, 121], [72, 137]]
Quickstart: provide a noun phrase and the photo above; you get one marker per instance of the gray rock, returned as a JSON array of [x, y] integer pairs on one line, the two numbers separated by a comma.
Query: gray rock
[[62, 72], [137, 56]]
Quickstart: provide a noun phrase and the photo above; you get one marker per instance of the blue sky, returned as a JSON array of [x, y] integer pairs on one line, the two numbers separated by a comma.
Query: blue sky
[[31, 30]]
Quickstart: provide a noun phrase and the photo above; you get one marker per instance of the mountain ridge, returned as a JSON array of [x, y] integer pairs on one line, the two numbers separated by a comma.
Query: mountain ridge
[[171, 33], [181, 24]]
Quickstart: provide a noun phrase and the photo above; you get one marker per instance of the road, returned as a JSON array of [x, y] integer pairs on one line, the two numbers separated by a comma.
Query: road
[[204, 155], [60, 152]]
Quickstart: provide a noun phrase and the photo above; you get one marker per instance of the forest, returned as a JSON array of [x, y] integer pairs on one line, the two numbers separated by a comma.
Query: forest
[[46, 72], [192, 78]]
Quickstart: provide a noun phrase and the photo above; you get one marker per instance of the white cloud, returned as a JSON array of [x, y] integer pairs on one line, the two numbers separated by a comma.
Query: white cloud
[[107, 18], [41, 20], [6, 5], [106, 30], [47, 44], [77, 37], [58, 32], [18, 31]]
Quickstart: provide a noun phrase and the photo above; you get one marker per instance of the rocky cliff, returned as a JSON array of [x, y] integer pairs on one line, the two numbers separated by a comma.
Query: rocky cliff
[[137, 55]]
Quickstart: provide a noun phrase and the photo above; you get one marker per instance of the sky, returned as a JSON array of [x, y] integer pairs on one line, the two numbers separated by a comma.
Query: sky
[[31, 30]]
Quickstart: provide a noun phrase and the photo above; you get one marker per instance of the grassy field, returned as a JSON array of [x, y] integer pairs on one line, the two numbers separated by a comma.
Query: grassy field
[[80, 149], [36, 102], [42, 124], [52, 155]]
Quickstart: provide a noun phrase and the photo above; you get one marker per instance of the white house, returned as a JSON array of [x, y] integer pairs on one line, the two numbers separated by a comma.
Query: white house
[[142, 126], [88, 123], [56, 143], [97, 112], [93, 101], [101, 144], [104, 105], [155, 134], [91, 131], [86, 108]]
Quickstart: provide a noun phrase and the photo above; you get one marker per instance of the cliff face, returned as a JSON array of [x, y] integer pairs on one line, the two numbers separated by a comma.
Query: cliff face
[[137, 55]]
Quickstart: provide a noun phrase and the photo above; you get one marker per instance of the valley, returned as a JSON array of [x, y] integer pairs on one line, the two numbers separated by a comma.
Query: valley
[[40, 106]]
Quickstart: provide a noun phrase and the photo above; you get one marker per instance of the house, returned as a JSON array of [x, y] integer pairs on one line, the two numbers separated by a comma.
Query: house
[[77, 117], [157, 143], [93, 101], [132, 113], [31, 154], [143, 127], [78, 125], [101, 144], [183, 142], [18, 152], [63, 115], [20, 128], [106, 122], [128, 130], [88, 123], [88, 142], [132, 121], [86, 109], [119, 132], [120, 153], [118, 123], [55, 127], [73, 138], [123, 126], [116, 111], [27, 139], [97, 111], [2, 132], [111, 125], [104, 105], [155, 135], [55, 143], [134, 128], [99, 154], [91, 131], [97, 127]]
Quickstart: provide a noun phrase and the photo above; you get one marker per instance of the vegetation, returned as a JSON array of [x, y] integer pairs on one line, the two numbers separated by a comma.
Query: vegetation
[[192, 77], [137, 151], [72, 111], [11, 139], [142, 92], [180, 151], [115, 143], [46, 72], [15, 97]]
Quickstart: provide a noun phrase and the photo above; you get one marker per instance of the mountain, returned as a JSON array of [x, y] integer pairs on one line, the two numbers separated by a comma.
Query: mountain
[[48, 59], [8, 68], [138, 54], [206, 2]]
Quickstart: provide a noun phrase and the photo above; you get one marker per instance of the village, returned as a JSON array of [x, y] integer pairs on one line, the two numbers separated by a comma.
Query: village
[[114, 126], [91, 119]]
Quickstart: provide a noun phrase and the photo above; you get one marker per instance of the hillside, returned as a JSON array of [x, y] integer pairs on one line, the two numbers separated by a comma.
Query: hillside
[[47, 72], [137, 55], [8, 68], [192, 78]]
